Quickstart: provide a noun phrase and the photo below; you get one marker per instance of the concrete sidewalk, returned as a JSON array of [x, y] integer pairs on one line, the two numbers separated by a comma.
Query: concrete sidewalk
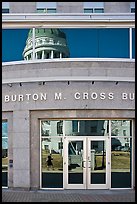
[[68, 196]]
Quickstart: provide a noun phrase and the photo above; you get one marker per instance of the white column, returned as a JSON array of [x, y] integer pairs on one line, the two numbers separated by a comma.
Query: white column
[[60, 55], [51, 54], [43, 54], [33, 43]]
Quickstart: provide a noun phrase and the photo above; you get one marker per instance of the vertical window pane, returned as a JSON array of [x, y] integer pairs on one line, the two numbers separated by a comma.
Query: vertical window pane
[[86, 127], [133, 43], [86, 38], [13, 42], [98, 162], [52, 128], [132, 10], [75, 165], [114, 43], [120, 163], [4, 154], [121, 128], [52, 162]]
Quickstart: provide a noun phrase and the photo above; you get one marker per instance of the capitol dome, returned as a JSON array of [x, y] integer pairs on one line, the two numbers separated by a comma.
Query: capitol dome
[[49, 44]]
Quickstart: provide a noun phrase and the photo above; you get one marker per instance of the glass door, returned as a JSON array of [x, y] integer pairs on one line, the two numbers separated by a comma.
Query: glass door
[[85, 163], [75, 163], [97, 163]]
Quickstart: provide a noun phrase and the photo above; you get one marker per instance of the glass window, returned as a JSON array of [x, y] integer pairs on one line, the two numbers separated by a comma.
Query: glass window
[[52, 162], [133, 43], [121, 128], [93, 7], [48, 10], [132, 7], [121, 162], [13, 44], [86, 127], [41, 10], [51, 10], [98, 10], [93, 10], [75, 162], [74, 128], [52, 128], [132, 10], [98, 162], [46, 7], [5, 7], [88, 10], [5, 10], [4, 153], [113, 43], [95, 42]]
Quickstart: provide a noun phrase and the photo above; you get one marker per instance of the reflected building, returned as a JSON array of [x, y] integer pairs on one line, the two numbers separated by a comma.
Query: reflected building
[[49, 44]]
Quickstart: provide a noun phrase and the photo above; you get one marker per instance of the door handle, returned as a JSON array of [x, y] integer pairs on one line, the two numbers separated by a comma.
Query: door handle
[[83, 164], [89, 162]]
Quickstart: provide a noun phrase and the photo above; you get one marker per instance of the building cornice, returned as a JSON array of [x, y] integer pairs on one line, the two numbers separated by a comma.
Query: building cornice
[[70, 20], [68, 78], [58, 60]]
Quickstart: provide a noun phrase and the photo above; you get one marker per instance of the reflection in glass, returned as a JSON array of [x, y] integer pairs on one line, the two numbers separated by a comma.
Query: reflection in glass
[[49, 43], [121, 162], [59, 43], [75, 162], [13, 44], [4, 154], [98, 162], [121, 127], [47, 10], [86, 127], [52, 162], [52, 128]]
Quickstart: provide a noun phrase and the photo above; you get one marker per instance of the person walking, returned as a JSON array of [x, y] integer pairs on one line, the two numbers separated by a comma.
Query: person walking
[[49, 162]]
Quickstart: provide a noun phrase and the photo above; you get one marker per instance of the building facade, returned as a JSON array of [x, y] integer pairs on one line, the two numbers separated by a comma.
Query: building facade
[[68, 91]]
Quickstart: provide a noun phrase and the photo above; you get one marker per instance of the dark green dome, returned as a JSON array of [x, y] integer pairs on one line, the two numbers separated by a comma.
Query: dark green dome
[[49, 43], [49, 32]]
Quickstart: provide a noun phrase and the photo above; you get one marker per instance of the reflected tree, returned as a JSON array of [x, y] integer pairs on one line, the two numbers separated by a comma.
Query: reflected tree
[[115, 143]]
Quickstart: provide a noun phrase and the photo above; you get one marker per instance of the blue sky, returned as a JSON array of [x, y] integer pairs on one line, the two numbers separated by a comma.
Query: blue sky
[[81, 42]]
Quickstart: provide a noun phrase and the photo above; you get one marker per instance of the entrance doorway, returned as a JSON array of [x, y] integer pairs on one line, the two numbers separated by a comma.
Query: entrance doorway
[[87, 154], [86, 162]]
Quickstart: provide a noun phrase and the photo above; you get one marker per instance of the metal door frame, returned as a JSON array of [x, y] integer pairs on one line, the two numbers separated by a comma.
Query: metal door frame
[[86, 154], [66, 141], [98, 186]]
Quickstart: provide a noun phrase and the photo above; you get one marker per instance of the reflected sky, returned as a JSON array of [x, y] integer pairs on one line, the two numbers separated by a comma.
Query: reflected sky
[[81, 42]]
